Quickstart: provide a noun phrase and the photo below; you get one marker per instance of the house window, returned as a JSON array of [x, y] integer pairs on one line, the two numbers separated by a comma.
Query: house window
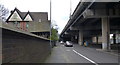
[[27, 25], [15, 24], [18, 24]]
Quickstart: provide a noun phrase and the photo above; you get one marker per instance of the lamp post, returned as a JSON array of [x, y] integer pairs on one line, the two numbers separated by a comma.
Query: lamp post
[[70, 8], [50, 22]]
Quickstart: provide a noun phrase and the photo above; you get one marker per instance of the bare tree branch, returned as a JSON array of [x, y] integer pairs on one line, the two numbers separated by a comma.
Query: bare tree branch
[[3, 13]]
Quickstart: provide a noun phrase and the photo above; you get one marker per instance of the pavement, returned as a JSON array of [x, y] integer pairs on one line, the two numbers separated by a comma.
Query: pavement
[[80, 54]]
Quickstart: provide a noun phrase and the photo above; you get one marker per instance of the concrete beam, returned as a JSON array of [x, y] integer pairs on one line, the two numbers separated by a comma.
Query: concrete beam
[[74, 28], [98, 13], [66, 33]]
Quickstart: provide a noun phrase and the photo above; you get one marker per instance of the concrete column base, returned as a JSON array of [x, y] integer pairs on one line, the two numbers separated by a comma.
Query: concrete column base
[[104, 46], [80, 40], [81, 43], [105, 34]]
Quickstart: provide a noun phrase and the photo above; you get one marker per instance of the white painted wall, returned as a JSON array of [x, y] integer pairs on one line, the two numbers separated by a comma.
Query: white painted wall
[[28, 18], [15, 17]]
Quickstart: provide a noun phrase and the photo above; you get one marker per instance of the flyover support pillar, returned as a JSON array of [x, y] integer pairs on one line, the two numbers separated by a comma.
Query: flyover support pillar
[[72, 38], [105, 33], [80, 40], [114, 38]]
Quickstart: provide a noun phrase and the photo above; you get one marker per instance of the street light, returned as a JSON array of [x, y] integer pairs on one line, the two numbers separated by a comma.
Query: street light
[[50, 22]]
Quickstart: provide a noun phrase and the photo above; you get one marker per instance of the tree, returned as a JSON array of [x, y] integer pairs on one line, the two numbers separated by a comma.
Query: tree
[[54, 31], [3, 13], [54, 34]]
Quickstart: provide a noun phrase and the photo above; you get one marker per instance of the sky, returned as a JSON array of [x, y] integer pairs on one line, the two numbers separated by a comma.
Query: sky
[[60, 8]]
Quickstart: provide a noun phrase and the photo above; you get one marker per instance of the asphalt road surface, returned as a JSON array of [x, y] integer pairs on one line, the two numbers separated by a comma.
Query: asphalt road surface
[[80, 54]]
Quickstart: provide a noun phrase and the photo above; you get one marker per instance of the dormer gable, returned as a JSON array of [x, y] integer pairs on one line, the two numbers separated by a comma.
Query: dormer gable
[[28, 17], [15, 16]]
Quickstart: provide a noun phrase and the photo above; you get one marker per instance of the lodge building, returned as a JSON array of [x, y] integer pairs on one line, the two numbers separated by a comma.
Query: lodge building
[[33, 22]]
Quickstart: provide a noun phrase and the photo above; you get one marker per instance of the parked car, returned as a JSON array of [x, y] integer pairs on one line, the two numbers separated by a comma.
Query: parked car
[[68, 44], [61, 42]]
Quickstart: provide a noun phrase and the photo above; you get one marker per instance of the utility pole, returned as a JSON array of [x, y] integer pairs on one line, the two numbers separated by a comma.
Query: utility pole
[[50, 9], [70, 8], [50, 22]]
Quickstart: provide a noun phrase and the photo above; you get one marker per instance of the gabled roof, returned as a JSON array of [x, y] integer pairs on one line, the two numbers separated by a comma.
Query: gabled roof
[[28, 13], [12, 12], [34, 15], [39, 15]]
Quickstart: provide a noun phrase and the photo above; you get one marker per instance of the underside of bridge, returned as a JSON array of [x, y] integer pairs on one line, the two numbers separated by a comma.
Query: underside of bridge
[[94, 20]]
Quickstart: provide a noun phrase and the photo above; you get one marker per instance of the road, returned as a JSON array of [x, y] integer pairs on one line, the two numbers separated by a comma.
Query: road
[[80, 54]]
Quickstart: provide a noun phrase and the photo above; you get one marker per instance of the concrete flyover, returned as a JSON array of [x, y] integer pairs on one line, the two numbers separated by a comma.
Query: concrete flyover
[[22, 47], [94, 20]]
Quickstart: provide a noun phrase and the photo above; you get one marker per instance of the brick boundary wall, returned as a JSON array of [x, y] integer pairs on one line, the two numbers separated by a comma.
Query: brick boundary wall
[[22, 48]]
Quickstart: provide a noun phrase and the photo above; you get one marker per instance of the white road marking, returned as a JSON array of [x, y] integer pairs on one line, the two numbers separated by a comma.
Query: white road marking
[[85, 57]]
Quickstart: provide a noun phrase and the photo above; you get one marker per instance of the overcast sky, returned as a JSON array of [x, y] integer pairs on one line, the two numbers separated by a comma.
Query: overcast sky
[[60, 8]]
